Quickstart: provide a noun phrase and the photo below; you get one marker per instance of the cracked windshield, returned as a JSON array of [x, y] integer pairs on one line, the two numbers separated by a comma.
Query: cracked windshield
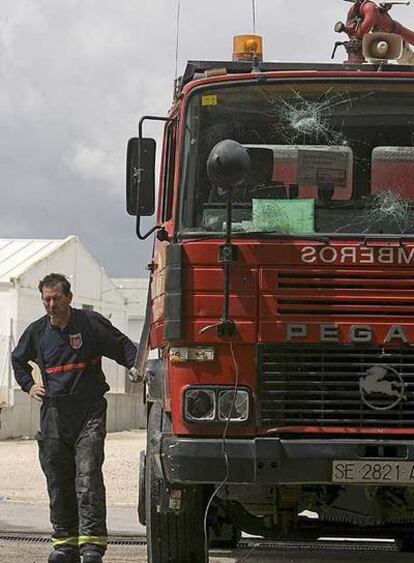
[[325, 159]]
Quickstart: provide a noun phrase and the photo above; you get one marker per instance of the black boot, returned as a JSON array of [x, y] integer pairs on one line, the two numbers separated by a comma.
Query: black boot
[[64, 555], [91, 557]]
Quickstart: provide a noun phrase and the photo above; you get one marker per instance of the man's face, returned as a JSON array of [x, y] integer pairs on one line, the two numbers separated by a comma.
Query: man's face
[[56, 302]]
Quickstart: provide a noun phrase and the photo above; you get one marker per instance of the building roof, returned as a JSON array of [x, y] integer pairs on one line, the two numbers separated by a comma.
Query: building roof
[[135, 291], [19, 255]]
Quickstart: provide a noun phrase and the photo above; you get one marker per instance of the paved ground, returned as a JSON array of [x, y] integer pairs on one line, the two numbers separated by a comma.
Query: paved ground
[[25, 517], [24, 502], [26, 510], [21, 478], [33, 553], [23, 485]]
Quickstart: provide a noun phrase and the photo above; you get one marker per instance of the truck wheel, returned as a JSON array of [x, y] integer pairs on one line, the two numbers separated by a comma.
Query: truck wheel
[[171, 537], [141, 489]]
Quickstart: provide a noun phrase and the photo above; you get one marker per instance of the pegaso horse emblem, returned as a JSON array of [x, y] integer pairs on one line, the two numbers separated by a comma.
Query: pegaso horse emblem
[[381, 383]]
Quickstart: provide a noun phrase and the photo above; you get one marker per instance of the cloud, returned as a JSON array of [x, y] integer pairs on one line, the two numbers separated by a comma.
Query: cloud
[[76, 76], [92, 163]]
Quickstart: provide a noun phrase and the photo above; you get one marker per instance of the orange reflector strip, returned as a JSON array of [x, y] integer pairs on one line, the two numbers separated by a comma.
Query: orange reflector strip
[[65, 367]]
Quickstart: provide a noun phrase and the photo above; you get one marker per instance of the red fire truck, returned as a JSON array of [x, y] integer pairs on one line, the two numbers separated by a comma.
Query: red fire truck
[[281, 302]]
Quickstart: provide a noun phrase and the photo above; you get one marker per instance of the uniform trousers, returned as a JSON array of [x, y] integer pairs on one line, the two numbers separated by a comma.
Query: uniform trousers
[[71, 453]]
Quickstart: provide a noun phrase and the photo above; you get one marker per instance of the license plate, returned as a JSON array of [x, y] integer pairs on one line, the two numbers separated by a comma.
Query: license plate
[[388, 472]]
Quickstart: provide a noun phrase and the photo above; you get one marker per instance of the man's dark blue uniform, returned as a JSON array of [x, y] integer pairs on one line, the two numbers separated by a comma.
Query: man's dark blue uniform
[[73, 416]]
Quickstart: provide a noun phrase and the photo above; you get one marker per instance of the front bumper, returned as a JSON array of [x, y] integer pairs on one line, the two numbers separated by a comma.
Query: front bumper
[[269, 460]]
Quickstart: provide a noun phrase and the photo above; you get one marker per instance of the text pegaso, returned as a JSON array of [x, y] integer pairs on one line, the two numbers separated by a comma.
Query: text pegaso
[[357, 333], [357, 255]]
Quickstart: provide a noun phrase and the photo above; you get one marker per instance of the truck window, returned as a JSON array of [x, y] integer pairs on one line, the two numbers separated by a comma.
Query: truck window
[[169, 173], [335, 148]]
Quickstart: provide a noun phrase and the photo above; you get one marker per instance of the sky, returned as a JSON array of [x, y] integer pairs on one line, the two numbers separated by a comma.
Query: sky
[[76, 75]]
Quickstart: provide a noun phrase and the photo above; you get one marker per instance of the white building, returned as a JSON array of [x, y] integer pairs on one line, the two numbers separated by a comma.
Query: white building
[[22, 264], [135, 291]]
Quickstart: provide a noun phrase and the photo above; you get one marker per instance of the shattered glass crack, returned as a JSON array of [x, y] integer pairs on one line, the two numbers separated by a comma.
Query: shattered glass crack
[[389, 207], [301, 119]]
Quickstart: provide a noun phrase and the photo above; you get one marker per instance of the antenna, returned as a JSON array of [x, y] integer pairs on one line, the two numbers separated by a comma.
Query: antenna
[[254, 16], [177, 44]]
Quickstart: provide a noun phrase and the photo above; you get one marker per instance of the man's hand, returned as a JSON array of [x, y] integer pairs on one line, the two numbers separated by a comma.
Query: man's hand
[[37, 391], [134, 376]]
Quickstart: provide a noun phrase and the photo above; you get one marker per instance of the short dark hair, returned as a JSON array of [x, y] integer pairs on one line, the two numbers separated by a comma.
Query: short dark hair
[[53, 279]]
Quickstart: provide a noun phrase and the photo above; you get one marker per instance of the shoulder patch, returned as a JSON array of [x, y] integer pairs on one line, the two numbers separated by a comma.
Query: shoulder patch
[[76, 341]]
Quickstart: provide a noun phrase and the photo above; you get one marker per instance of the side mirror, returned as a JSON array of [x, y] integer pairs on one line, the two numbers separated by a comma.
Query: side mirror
[[140, 177]]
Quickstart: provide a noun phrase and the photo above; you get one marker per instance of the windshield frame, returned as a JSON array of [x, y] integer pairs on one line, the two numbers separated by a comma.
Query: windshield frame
[[398, 76]]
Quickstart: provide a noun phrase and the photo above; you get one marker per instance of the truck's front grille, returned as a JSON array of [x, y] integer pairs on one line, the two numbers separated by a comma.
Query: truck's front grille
[[359, 293], [334, 385]]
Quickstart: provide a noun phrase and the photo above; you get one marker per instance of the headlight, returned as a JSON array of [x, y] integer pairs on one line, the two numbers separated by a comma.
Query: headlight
[[200, 405], [233, 406], [216, 405]]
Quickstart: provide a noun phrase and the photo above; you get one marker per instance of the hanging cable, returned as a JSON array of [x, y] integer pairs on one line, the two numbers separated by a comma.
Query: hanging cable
[[223, 448], [177, 44]]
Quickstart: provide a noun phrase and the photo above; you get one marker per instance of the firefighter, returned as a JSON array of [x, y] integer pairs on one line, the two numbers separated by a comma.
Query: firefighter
[[67, 344]]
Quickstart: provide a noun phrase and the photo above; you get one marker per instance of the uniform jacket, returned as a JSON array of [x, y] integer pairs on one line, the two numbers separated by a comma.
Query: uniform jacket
[[70, 358]]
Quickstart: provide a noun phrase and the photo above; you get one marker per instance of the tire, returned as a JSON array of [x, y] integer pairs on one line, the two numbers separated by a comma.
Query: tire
[[171, 538], [141, 489]]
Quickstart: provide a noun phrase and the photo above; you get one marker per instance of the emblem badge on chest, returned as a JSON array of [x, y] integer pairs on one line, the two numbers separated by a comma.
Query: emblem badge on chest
[[75, 340]]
